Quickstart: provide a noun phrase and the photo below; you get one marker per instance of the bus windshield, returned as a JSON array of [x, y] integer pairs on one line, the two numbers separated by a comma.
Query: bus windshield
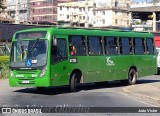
[[29, 53]]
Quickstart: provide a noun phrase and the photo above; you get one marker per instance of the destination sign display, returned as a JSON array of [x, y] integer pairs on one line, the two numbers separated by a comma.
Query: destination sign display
[[31, 35]]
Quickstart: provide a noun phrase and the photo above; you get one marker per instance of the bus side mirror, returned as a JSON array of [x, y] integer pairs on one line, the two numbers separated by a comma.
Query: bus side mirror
[[54, 41]]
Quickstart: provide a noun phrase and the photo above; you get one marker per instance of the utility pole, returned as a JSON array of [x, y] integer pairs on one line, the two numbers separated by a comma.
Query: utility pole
[[86, 11], [28, 11], [154, 21], [17, 12]]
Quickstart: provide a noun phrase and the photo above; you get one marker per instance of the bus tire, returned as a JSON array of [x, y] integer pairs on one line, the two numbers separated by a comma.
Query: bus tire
[[73, 83], [132, 76]]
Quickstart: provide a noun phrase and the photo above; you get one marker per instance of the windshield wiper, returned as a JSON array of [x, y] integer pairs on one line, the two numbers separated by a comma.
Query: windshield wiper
[[21, 45], [22, 49], [34, 44]]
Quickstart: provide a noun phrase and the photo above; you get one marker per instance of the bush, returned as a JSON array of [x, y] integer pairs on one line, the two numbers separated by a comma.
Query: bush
[[4, 64]]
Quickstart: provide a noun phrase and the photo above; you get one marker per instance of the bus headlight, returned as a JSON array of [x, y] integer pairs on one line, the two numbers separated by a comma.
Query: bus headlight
[[43, 72], [11, 73]]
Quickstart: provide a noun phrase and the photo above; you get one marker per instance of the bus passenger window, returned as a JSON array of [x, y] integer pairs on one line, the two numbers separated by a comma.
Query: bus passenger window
[[138, 46], [72, 50], [110, 44], [124, 45], [131, 46], [77, 45], [95, 46], [150, 46]]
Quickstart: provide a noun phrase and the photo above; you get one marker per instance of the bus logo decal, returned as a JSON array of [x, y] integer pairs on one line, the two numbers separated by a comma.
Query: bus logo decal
[[109, 62], [28, 62]]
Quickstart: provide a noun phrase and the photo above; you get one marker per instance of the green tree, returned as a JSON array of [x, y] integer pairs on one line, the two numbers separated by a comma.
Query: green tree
[[2, 4], [155, 1]]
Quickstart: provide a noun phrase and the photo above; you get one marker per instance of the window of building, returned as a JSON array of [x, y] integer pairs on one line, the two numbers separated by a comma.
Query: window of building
[[116, 21], [67, 8], [83, 9], [80, 17], [94, 46], [67, 16], [60, 7], [116, 12], [127, 22], [103, 12], [83, 17], [103, 21], [116, 3], [77, 45], [94, 5], [149, 46], [111, 46], [80, 9], [94, 13]]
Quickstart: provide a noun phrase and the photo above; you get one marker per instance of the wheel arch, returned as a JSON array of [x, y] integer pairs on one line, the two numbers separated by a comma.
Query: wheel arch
[[79, 75], [133, 67]]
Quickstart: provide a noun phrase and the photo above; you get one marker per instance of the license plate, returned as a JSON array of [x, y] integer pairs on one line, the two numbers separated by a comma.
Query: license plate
[[25, 81]]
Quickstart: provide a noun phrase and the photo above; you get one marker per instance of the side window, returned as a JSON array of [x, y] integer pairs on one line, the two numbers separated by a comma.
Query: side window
[[150, 46], [77, 45], [111, 46], [124, 44], [62, 47], [139, 46], [59, 52], [95, 46]]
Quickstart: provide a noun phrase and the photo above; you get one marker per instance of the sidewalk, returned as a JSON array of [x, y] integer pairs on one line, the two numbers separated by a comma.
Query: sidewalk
[[146, 90]]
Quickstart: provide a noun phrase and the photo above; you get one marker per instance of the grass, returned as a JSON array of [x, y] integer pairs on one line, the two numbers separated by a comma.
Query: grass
[[4, 64]]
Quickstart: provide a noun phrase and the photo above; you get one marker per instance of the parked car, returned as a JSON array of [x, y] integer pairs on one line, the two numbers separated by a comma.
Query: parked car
[[158, 60]]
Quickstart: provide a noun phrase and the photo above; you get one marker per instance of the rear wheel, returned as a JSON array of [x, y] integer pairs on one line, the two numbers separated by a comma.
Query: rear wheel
[[132, 76], [73, 83]]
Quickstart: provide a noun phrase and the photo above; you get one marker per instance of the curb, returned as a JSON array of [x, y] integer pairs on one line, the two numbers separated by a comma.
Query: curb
[[140, 95]]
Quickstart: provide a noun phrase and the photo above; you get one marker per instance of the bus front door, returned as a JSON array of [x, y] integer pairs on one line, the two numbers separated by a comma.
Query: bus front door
[[59, 62]]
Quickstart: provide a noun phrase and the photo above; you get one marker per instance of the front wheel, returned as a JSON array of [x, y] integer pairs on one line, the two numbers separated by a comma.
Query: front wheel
[[132, 76]]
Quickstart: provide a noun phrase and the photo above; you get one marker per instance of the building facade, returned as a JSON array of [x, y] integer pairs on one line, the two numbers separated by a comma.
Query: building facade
[[43, 11], [75, 13], [96, 13], [111, 13], [18, 10]]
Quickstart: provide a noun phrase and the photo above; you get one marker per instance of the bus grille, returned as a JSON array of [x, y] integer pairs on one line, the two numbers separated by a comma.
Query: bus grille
[[27, 74]]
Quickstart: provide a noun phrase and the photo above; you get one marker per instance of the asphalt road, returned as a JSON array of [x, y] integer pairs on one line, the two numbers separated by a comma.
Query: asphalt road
[[90, 95]]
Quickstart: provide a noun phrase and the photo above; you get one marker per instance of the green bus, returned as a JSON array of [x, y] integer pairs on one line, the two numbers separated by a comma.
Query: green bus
[[57, 56]]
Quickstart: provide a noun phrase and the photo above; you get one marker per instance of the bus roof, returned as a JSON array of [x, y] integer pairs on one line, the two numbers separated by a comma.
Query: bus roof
[[91, 32]]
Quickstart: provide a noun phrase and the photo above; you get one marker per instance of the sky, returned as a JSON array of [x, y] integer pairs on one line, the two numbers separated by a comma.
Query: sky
[[140, 0], [137, 0]]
